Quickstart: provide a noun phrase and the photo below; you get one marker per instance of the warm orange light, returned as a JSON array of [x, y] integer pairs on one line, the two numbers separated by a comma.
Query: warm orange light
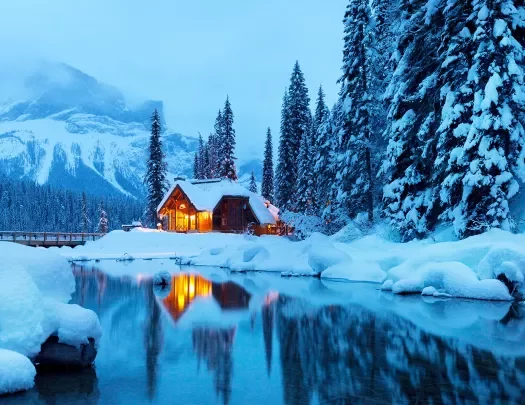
[[184, 289]]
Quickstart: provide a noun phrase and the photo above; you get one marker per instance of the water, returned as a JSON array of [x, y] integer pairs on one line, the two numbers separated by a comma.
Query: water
[[216, 338]]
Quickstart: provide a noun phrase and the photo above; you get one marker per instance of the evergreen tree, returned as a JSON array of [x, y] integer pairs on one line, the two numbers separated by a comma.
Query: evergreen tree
[[219, 142], [85, 216], [207, 170], [228, 143], [267, 180], [323, 162], [196, 168], [212, 148], [283, 181], [296, 122], [355, 163], [413, 98], [305, 194], [201, 169], [321, 110], [103, 220], [253, 184], [494, 146], [156, 171]]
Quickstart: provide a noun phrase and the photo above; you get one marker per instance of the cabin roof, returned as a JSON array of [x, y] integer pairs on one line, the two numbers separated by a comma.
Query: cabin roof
[[206, 194]]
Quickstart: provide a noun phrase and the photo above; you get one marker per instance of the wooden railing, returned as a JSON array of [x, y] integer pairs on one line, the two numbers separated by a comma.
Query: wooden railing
[[48, 238]]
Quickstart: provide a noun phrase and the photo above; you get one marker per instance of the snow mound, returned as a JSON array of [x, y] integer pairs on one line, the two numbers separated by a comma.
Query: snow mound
[[162, 278], [16, 371], [325, 255], [387, 285], [356, 271], [73, 324], [452, 278]]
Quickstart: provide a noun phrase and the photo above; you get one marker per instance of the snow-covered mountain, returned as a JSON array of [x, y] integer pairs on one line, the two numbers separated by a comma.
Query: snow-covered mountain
[[70, 130]]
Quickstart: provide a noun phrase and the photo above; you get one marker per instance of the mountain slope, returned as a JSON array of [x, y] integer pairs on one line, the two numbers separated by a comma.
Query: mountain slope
[[77, 133]]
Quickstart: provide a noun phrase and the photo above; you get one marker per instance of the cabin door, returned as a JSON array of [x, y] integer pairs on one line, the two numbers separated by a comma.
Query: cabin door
[[182, 221]]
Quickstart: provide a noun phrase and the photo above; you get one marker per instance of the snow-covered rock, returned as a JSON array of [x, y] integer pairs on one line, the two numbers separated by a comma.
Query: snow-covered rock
[[35, 286], [16, 371], [162, 278]]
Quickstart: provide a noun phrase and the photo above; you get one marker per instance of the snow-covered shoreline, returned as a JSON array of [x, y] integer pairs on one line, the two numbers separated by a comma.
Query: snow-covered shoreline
[[35, 286], [464, 269]]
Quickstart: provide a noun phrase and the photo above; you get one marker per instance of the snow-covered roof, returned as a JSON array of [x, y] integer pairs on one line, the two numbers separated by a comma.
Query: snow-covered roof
[[206, 194]]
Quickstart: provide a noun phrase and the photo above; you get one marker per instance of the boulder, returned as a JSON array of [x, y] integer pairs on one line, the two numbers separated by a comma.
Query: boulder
[[56, 355]]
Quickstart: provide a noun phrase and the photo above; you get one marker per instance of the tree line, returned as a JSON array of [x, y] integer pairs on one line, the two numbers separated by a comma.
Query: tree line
[[428, 127], [27, 206]]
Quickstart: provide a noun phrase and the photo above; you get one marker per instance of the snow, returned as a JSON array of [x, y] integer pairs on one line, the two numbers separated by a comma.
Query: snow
[[16, 371], [206, 194], [466, 269], [35, 286]]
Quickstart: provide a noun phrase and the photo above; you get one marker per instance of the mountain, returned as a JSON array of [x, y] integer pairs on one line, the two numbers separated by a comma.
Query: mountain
[[70, 130]]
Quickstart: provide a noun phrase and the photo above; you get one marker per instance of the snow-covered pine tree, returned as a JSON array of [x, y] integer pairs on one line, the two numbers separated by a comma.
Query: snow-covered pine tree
[[413, 117], [212, 156], [321, 110], [323, 162], [296, 121], [219, 142], [253, 184], [304, 203], [201, 169], [228, 143], [156, 170], [85, 215], [206, 161], [457, 99], [267, 180], [103, 220], [355, 164], [196, 168], [494, 146], [283, 181]]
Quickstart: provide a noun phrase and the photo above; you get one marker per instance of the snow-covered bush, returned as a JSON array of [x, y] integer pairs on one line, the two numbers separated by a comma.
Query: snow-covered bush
[[303, 225]]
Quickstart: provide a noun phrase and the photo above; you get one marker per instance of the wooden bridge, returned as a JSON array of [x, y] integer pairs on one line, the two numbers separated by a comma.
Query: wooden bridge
[[47, 239]]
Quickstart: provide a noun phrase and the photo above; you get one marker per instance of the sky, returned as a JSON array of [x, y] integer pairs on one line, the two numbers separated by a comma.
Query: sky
[[189, 54]]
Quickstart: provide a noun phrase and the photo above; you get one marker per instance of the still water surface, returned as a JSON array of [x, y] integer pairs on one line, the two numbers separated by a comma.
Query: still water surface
[[259, 339]]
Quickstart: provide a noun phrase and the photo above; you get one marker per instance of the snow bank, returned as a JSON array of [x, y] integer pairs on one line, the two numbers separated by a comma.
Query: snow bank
[[35, 286], [454, 279], [16, 371], [369, 258]]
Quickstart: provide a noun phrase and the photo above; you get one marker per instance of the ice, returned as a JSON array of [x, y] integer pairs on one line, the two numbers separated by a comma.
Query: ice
[[17, 373]]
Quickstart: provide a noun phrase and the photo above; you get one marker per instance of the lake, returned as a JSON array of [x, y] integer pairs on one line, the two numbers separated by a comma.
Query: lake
[[255, 338]]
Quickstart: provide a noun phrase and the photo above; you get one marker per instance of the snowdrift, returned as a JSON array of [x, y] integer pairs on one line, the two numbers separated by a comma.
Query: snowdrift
[[35, 286], [466, 269]]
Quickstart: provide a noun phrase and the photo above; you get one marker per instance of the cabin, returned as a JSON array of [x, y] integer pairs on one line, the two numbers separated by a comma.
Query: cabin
[[218, 205]]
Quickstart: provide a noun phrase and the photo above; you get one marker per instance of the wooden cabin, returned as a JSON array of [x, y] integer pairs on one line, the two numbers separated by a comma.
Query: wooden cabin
[[219, 205]]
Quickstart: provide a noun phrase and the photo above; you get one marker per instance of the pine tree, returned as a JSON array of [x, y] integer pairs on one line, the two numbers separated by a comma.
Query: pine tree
[[283, 181], [85, 216], [228, 143], [103, 220], [267, 180], [494, 146], [413, 98], [155, 178], [253, 184], [196, 168], [201, 169], [355, 163], [212, 148], [219, 142], [321, 110], [296, 122], [207, 169], [323, 162], [305, 194]]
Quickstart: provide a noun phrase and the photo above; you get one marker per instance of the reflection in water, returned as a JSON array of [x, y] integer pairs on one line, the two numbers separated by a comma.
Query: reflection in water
[[334, 354]]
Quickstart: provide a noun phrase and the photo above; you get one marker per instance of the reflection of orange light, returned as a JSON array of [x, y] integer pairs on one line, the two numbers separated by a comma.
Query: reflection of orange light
[[185, 288]]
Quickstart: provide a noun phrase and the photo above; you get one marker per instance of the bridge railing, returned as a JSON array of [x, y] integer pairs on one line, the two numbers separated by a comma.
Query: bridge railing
[[58, 237]]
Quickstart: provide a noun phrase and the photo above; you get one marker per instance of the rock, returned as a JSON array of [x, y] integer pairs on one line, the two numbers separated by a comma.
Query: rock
[[56, 355]]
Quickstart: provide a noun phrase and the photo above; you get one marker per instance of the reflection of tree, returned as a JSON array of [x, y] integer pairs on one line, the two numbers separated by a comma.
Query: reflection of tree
[[215, 347], [267, 318], [351, 355], [152, 339]]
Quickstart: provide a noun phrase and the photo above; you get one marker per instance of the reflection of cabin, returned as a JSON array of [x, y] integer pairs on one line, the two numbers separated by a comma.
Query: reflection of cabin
[[185, 288], [215, 205]]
